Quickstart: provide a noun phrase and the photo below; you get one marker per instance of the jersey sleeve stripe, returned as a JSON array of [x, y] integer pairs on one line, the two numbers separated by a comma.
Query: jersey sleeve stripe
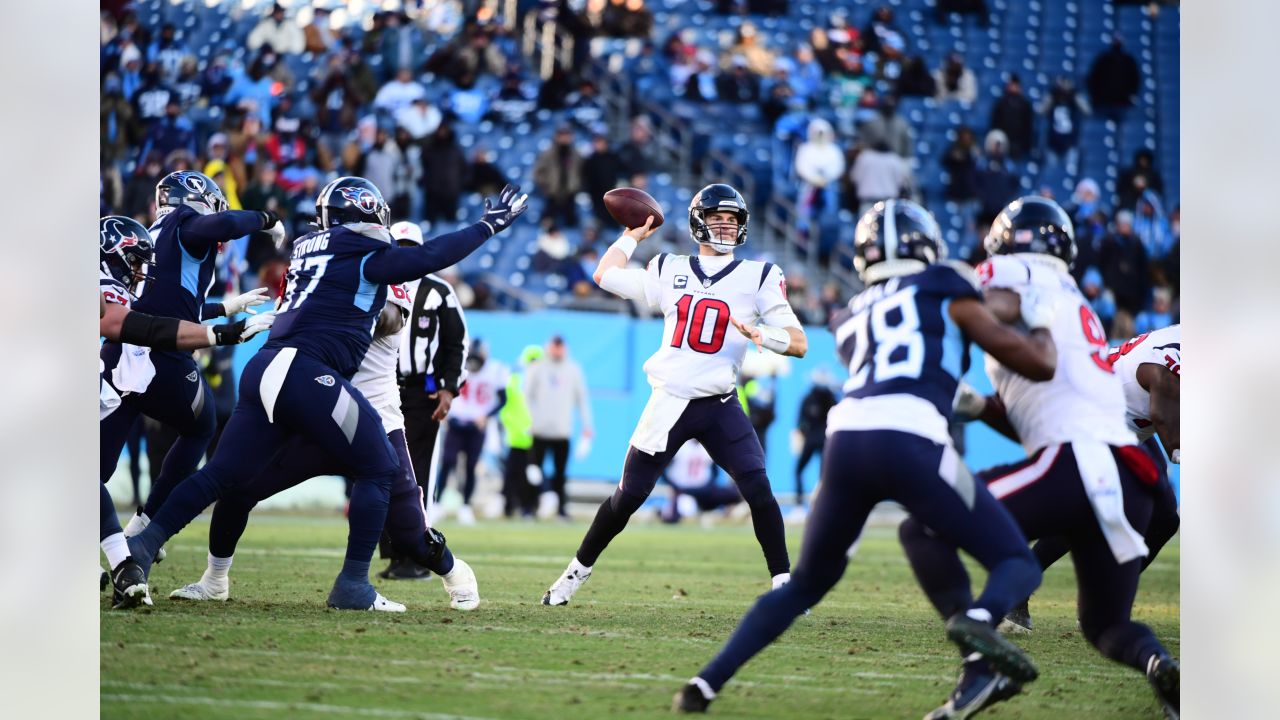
[[764, 274], [662, 257]]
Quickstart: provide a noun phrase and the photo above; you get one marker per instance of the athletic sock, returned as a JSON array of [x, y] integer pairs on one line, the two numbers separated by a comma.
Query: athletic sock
[[116, 548], [218, 567]]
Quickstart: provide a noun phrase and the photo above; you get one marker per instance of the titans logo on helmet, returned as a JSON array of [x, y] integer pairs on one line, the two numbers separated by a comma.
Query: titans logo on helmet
[[192, 182], [361, 198]]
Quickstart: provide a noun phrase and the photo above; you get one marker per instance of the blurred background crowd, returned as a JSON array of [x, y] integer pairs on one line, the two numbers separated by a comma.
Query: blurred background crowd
[[813, 109]]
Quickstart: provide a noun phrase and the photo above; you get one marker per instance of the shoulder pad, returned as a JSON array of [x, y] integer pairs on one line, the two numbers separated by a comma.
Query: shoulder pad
[[1003, 271]]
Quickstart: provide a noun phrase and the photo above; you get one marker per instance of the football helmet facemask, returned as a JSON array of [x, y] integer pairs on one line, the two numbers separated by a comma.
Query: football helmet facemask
[[717, 197]]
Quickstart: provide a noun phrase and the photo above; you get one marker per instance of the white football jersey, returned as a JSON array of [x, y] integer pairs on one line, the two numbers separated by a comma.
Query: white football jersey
[[1159, 347], [112, 291], [478, 396], [376, 378], [1084, 401], [701, 352]]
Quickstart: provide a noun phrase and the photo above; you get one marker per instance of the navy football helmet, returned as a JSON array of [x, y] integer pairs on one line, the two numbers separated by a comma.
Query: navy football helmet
[[125, 248], [187, 187], [351, 200], [717, 197], [896, 237], [1033, 224]]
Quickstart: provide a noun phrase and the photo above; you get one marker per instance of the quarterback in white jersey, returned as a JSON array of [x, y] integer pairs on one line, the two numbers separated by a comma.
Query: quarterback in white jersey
[[695, 371]]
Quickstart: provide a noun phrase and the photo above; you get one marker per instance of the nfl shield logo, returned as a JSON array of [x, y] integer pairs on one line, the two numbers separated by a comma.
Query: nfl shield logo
[[706, 283], [423, 322], [191, 376]]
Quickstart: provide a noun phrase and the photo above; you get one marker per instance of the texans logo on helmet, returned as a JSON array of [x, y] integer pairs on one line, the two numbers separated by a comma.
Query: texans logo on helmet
[[113, 229], [192, 182], [361, 198]]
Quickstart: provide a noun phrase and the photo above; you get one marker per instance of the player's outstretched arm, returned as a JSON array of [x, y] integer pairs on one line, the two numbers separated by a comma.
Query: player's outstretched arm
[[789, 341], [402, 264], [1033, 356], [120, 324], [1165, 389], [202, 233]]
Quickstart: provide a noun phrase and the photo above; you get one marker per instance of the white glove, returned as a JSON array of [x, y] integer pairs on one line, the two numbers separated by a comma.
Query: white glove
[[277, 235], [234, 333], [257, 324], [1038, 310], [1176, 457], [968, 403], [240, 303]]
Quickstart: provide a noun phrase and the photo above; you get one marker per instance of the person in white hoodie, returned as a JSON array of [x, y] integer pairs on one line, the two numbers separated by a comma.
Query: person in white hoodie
[[819, 164]]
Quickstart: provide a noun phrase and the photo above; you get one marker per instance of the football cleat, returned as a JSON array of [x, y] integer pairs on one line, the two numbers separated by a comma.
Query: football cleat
[[564, 588], [979, 688], [129, 586], [205, 589], [464, 591], [104, 579], [381, 604], [1017, 621], [405, 569], [975, 636], [137, 524], [1164, 675], [690, 700]]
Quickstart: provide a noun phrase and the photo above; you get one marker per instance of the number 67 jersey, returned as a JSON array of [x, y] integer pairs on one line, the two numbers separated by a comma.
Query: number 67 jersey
[[1085, 399], [701, 352]]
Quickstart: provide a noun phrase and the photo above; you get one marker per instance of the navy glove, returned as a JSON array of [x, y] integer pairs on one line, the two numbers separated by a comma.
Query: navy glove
[[500, 213]]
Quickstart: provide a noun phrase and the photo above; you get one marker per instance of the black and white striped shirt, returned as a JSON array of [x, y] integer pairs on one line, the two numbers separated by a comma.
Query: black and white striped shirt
[[433, 347]]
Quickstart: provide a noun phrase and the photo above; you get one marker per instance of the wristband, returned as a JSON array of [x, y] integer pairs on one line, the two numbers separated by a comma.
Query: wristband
[[213, 337], [775, 339], [625, 245]]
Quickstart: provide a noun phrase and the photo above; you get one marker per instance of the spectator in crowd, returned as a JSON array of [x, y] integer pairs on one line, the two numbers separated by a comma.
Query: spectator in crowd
[[554, 387], [628, 18], [779, 100], [1138, 178], [172, 132], [819, 165], [151, 97], [553, 248], [400, 92], [1151, 226], [1090, 221], [736, 84], [961, 163], [997, 182], [285, 145], [483, 176], [1161, 313], [879, 174], [915, 80], [420, 118], [801, 72], [1114, 80], [512, 104], [1101, 299], [253, 91], [380, 162], [216, 164], [760, 60], [186, 86], [167, 53], [600, 172], [1126, 271], [557, 174], [825, 50], [216, 80], [317, 36], [139, 192], [1064, 108], [118, 129], [700, 85], [889, 128], [811, 425], [444, 167], [955, 80], [634, 153], [264, 194], [407, 194], [1013, 115], [881, 31], [281, 33]]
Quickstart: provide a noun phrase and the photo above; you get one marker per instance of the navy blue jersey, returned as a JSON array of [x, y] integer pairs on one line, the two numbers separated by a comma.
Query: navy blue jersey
[[186, 252], [337, 285], [897, 337]]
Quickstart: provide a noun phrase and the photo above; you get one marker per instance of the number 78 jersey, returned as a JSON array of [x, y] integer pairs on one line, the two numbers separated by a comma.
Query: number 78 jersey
[[701, 352]]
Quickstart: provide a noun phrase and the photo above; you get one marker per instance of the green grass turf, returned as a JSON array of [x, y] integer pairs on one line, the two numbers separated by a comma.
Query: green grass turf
[[661, 602]]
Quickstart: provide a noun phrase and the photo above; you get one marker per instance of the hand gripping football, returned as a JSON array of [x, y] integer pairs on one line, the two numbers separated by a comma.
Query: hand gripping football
[[631, 206]]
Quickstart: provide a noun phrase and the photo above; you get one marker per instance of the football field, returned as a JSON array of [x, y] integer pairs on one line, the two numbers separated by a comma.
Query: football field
[[660, 603]]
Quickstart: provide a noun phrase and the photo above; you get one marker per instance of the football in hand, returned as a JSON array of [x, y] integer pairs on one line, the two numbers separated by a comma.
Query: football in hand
[[632, 206]]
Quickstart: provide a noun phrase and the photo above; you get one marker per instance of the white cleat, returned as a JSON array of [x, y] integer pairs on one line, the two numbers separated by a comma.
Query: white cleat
[[564, 588], [137, 524], [466, 516], [464, 591], [779, 580], [206, 589], [382, 604]]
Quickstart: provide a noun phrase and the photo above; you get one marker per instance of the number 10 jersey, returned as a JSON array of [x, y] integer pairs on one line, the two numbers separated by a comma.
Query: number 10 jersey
[[701, 352]]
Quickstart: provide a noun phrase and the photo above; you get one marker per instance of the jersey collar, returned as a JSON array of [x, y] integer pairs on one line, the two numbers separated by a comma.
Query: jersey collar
[[706, 281]]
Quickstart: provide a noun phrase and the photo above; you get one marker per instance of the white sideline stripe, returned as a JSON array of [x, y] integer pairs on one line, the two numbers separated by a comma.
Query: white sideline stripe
[[288, 706], [1023, 477]]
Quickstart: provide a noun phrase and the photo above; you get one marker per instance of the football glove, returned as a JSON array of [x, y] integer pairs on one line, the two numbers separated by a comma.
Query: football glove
[[1038, 310], [272, 226], [500, 213], [234, 333], [242, 303], [968, 403]]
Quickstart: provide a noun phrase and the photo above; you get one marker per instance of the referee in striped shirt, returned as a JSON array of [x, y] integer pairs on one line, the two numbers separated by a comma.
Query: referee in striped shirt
[[433, 350]]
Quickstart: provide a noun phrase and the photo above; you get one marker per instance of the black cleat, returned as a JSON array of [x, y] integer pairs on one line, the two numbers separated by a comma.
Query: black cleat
[[129, 586], [405, 569], [104, 579], [979, 688], [1164, 675], [690, 700], [975, 636], [1018, 620]]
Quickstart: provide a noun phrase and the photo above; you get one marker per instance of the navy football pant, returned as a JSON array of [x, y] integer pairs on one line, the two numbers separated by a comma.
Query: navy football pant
[[722, 427], [859, 470], [1046, 496], [308, 399], [462, 438], [178, 397], [301, 460], [1164, 518]]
